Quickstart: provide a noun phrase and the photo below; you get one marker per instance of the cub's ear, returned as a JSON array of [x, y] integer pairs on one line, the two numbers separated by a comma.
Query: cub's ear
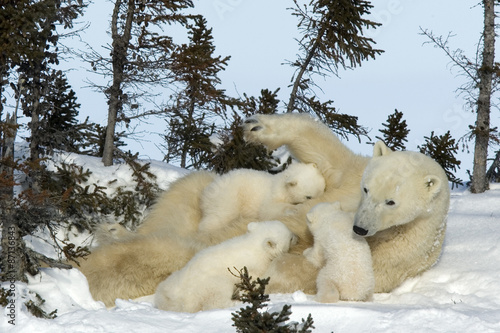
[[252, 226], [336, 205], [309, 217], [314, 165], [433, 185], [380, 149]]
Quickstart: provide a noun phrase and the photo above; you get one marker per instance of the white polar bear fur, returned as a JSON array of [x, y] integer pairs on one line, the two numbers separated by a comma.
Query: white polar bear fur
[[169, 236], [205, 282], [258, 195], [405, 198], [344, 258]]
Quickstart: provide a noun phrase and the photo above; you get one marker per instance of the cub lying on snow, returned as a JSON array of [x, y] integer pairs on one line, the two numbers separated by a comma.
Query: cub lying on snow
[[205, 282], [258, 195]]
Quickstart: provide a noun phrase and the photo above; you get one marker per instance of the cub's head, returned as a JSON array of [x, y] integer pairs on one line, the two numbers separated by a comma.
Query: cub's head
[[397, 188], [303, 182], [276, 237], [329, 215]]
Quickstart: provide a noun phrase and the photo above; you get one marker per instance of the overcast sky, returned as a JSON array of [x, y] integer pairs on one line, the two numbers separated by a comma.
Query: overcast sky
[[411, 76]]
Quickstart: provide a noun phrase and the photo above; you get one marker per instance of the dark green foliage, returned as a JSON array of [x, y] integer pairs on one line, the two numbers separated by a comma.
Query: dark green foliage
[[266, 103], [341, 124], [28, 40], [35, 308], [23, 214], [395, 132], [94, 136], [493, 173], [332, 37], [253, 318], [333, 33], [57, 125], [4, 296], [188, 140], [128, 205], [61, 129], [85, 205], [65, 198], [140, 59], [442, 149], [81, 204], [199, 104], [232, 152]]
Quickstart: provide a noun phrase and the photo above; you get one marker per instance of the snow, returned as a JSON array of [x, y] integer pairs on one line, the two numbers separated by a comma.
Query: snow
[[461, 293]]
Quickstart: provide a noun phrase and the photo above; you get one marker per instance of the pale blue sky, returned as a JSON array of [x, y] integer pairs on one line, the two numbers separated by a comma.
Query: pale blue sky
[[414, 78]]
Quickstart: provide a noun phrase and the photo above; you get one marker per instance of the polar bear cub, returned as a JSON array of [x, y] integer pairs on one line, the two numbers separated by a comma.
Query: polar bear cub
[[205, 282], [258, 195], [344, 257]]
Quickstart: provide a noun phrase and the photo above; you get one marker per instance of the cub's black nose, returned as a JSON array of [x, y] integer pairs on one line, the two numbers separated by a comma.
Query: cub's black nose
[[360, 231]]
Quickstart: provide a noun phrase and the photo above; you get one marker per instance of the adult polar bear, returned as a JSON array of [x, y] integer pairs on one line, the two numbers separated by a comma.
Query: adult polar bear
[[169, 238], [402, 211]]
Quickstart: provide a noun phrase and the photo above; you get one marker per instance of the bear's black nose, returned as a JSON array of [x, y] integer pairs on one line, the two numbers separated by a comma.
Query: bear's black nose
[[360, 231]]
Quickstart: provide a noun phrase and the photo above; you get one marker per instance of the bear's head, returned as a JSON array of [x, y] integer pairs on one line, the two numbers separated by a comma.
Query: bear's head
[[329, 214], [303, 181], [276, 237], [398, 188]]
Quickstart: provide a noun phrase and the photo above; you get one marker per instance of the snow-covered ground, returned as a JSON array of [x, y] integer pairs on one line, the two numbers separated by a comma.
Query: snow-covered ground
[[461, 293]]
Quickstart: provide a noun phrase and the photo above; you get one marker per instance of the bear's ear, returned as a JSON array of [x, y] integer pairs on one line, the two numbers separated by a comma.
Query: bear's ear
[[380, 149], [432, 184], [309, 217], [336, 205], [252, 226]]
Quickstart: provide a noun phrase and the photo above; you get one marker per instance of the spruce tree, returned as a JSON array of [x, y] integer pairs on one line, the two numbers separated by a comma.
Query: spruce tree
[[140, 60], [332, 38], [231, 151], [395, 132], [482, 73], [442, 149], [253, 319], [198, 105], [29, 50]]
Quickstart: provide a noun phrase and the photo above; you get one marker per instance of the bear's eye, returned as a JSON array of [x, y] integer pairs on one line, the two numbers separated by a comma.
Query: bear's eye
[[390, 202], [309, 197], [365, 189]]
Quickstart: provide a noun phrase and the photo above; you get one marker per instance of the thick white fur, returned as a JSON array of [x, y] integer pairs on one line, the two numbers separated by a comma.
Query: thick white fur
[[344, 258], [403, 212], [258, 195], [205, 282], [169, 237]]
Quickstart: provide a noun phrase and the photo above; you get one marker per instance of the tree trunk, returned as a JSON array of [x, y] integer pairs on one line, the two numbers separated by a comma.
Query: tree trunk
[[13, 261], [482, 130], [303, 68], [13, 258], [119, 58]]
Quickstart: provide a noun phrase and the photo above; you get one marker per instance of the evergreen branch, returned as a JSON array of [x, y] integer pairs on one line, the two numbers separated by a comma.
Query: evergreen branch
[[49, 261]]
